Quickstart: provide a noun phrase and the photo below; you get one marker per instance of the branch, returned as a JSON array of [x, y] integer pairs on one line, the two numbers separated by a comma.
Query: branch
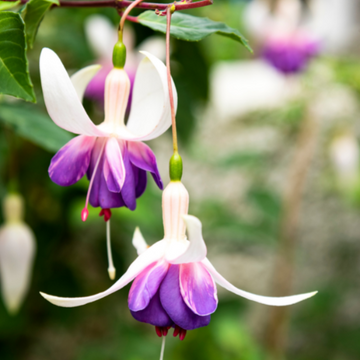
[[123, 4]]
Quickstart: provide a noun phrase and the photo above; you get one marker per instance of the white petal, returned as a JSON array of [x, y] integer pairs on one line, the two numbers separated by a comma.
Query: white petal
[[273, 301], [139, 242], [101, 34], [150, 114], [153, 254], [61, 99], [196, 250], [81, 79], [17, 249]]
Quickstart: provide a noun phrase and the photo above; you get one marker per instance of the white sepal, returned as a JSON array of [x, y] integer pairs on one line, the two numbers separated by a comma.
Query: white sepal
[[151, 255], [81, 79], [266, 300], [150, 114], [139, 242], [61, 99], [196, 250]]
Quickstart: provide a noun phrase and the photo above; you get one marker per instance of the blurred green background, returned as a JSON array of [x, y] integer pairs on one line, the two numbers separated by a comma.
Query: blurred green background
[[236, 170]]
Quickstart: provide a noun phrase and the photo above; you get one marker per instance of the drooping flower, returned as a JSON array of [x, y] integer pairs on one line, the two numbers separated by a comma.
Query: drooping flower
[[287, 44], [174, 282], [112, 154], [17, 250]]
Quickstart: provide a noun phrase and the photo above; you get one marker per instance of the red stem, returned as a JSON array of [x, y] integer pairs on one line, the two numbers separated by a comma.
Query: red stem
[[169, 12], [123, 4]]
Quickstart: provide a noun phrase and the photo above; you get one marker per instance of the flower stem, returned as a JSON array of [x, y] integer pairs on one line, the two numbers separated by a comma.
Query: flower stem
[[111, 268], [162, 348], [126, 13], [169, 12]]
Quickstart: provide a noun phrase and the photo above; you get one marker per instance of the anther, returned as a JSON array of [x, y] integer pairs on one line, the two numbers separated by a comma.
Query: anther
[[176, 331], [106, 213], [158, 331], [182, 334]]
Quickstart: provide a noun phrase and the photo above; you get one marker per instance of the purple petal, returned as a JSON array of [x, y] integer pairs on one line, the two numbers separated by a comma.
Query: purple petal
[[71, 162], [100, 194], [128, 191], [146, 285], [198, 288], [153, 314], [114, 169], [140, 180], [143, 157], [173, 303]]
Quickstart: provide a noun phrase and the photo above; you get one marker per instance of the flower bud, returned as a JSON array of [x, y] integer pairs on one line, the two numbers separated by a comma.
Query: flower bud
[[17, 249]]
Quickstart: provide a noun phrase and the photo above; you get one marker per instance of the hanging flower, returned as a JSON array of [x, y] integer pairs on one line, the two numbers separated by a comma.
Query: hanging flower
[[112, 154], [287, 44], [17, 250], [174, 282]]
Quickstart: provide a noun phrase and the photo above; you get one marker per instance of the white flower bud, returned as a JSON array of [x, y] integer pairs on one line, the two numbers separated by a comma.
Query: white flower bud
[[17, 249]]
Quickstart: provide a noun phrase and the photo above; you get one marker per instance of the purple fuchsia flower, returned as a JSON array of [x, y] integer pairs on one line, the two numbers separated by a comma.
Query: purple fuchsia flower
[[174, 282], [292, 54], [112, 154], [287, 41]]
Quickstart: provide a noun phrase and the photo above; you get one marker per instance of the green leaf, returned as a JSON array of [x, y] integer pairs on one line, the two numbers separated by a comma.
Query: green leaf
[[34, 13], [190, 28], [14, 70], [5, 5], [33, 125]]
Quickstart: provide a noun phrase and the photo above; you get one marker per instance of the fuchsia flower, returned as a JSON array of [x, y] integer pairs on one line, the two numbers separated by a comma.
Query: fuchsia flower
[[292, 54], [174, 282], [287, 43], [112, 154]]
